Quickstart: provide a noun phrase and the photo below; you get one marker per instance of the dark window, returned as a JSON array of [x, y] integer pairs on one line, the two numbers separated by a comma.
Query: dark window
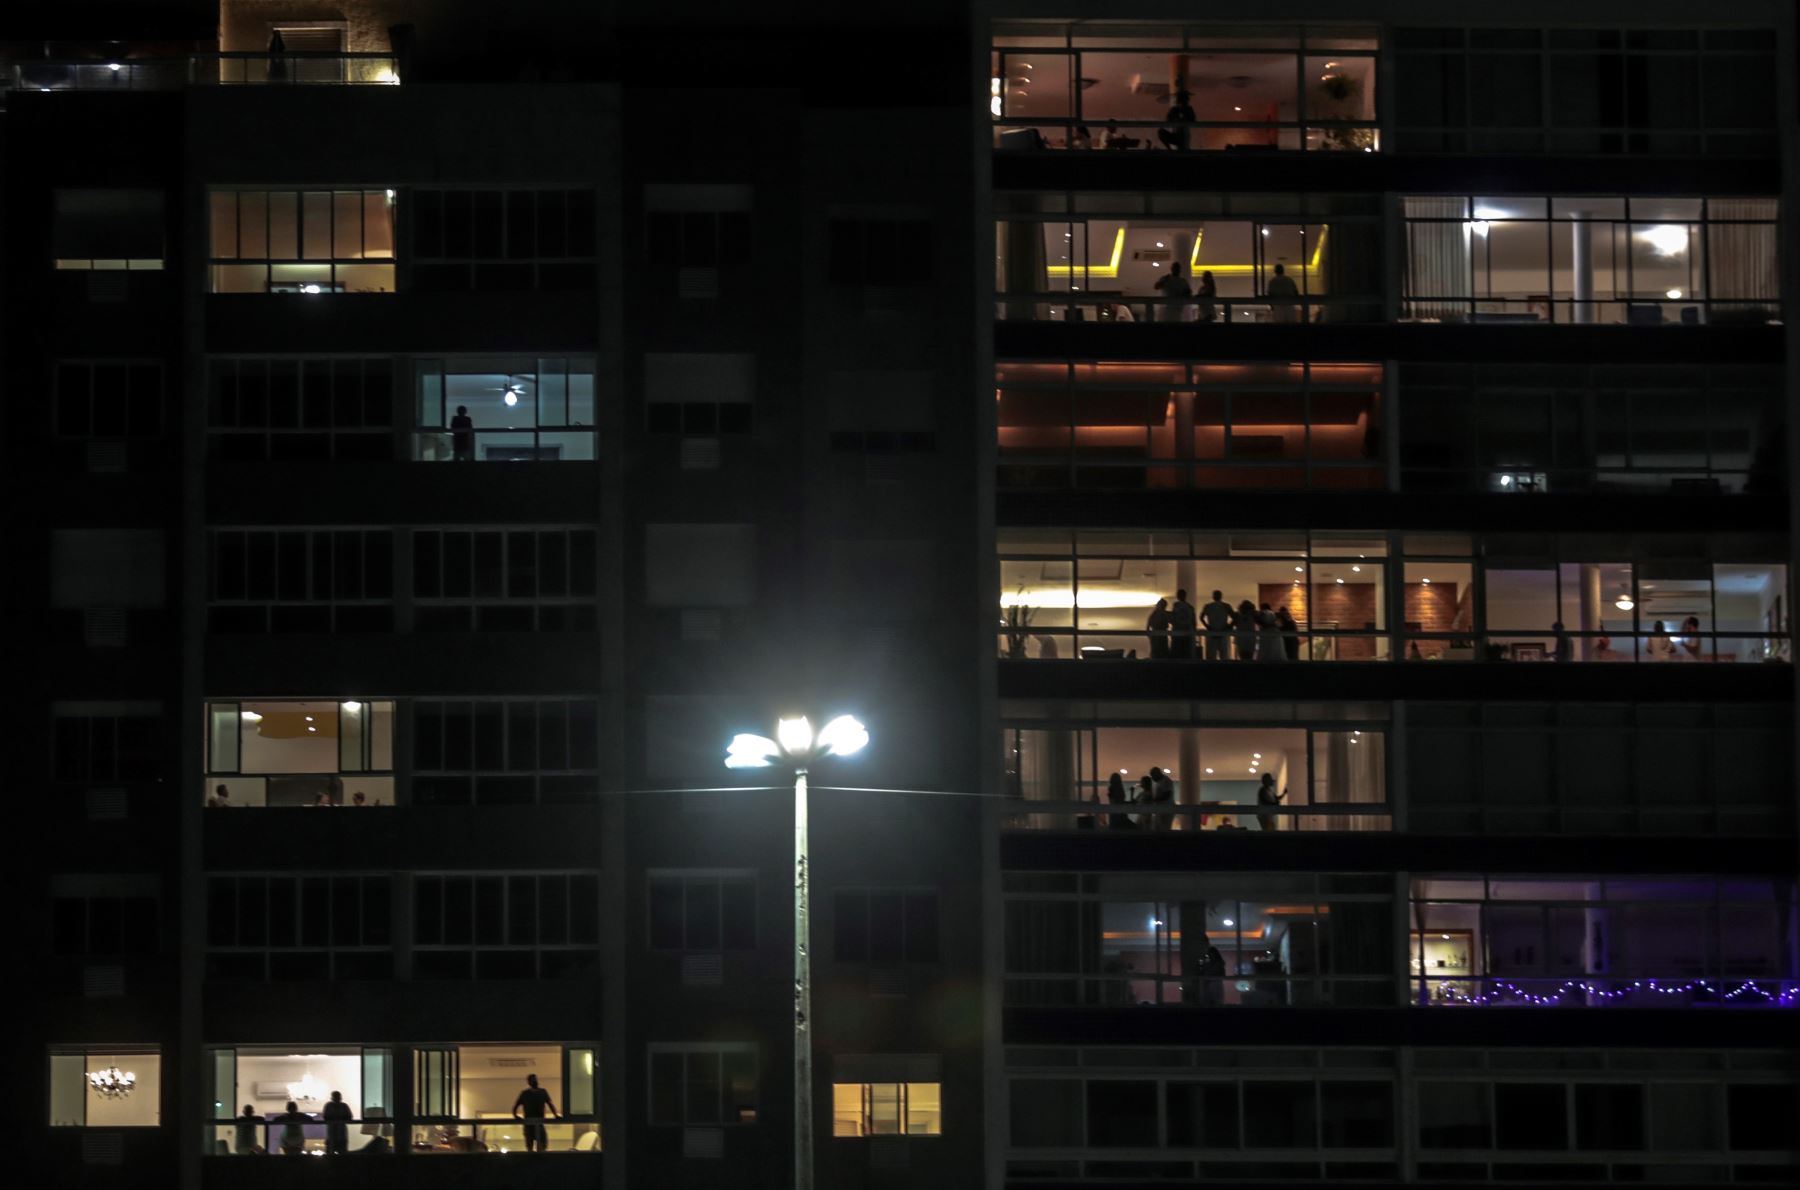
[[1609, 1116], [1762, 1117], [109, 399], [94, 748], [299, 927], [501, 240], [1202, 1115], [1454, 1116], [698, 239], [1530, 1116], [698, 418], [104, 926], [301, 580], [1279, 1115], [493, 752], [878, 252], [1356, 1115], [1121, 1114], [885, 926], [506, 927], [702, 912], [108, 229]]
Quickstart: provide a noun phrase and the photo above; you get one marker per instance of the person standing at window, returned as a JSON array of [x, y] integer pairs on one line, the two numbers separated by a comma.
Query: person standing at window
[[1181, 116], [531, 1105], [219, 797], [1157, 628], [277, 57], [1266, 800], [1269, 645], [1243, 625], [1290, 632], [1116, 797], [337, 1115], [1216, 616], [1690, 637], [293, 1130], [1282, 288], [1182, 625], [1207, 290], [462, 435], [249, 1131], [1174, 288]]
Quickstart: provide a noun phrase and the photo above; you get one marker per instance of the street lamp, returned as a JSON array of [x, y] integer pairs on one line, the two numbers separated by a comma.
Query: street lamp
[[795, 744]]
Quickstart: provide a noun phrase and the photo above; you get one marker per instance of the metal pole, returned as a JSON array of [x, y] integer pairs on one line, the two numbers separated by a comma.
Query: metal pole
[[803, 1083]]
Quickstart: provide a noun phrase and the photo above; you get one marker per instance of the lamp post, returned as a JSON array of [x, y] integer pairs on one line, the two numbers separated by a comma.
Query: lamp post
[[795, 744]]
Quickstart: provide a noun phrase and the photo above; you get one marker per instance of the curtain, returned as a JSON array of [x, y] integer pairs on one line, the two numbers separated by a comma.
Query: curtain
[[1741, 259], [1047, 773], [1359, 941], [1352, 769], [1053, 938], [1437, 259], [1023, 268]]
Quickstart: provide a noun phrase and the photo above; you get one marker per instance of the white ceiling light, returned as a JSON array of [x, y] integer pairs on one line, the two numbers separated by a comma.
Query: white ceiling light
[[1667, 238], [1209, 770], [1230, 922], [1674, 295], [1624, 602]]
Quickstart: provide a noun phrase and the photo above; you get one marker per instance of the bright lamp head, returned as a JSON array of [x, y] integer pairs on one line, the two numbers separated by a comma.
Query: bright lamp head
[[796, 736], [843, 736], [750, 752]]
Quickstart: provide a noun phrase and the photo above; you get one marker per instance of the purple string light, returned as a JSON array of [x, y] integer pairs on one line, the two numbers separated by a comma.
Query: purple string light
[[1504, 992]]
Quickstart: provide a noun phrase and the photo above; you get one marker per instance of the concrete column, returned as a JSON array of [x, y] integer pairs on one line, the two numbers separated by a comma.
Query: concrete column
[[1187, 787], [1582, 261], [1593, 599]]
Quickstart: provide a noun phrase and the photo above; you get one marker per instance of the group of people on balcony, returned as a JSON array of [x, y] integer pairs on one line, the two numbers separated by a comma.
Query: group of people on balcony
[[1244, 633], [1176, 290]]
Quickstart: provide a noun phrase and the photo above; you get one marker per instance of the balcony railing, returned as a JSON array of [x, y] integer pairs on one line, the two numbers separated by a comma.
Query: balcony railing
[[1105, 306], [1196, 816], [511, 445], [200, 70], [1303, 644]]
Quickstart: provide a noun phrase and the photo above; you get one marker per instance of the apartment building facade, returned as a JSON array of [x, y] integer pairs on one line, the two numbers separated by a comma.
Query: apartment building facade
[[475, 419]]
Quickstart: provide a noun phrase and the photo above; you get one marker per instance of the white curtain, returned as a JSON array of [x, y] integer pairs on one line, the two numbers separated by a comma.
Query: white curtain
[[1437, 258], [1352, 769]]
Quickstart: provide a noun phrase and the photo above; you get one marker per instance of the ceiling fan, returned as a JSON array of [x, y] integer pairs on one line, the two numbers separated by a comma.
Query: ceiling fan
[[513, 389]]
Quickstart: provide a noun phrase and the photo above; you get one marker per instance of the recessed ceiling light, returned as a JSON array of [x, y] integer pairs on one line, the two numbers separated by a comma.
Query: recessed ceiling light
[[1299, 570], [1426, 581], [1340, 582], [1258, 755], [1230, 922], [1209, 770]]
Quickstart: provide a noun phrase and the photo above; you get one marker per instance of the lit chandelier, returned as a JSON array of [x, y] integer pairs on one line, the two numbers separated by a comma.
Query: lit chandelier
[[112, 1083], [304, 1091]]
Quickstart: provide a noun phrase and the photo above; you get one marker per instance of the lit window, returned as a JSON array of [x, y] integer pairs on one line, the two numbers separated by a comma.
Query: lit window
[[302, 241], [886, 1109], [105, 1088]]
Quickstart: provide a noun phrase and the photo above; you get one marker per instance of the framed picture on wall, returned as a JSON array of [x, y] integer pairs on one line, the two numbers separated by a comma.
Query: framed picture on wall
[[1528, 652]]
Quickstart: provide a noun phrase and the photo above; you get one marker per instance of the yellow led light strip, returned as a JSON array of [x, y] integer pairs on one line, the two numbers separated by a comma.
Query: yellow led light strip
[[1308, 269], [1111, 270], [1095, 270]]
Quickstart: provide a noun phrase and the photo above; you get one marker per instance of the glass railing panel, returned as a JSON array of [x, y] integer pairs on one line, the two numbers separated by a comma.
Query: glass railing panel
[[504, 1135], [503, 445]]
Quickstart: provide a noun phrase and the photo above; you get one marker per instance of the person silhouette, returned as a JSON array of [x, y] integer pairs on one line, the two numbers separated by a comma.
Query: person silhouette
[[278, 70], [1216, 617], [530, 1106], [462, 435], [1174, 288], [1156, 626], [1181, 628], [1206, 291], [1282, 287], [249, 1131], [1181, 116], [1243, 626], [337, 1115]]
